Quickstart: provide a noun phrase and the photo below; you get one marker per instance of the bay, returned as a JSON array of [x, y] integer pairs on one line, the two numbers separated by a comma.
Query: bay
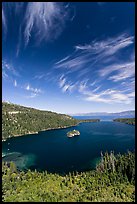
[[54, 152]]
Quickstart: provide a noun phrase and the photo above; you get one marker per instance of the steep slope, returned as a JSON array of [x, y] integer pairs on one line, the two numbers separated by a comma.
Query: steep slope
[[18, 120], [112, 181]]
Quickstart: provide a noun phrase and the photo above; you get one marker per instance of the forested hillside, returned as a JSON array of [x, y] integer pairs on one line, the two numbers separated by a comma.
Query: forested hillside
[[19, 120], [130, 121], [112, 181]]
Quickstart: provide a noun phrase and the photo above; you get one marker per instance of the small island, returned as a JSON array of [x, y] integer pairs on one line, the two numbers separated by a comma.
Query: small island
[[73, 133]]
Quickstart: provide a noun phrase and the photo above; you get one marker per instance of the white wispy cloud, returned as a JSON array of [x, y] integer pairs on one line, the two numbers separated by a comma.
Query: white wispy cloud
[[108, 96], [34, 90], [127, 71], [82, 86], [47, 18], [8, 70], [96, 89], [10, 8], [19, 42], [45, 21], [66, 85], [15, 83], [93, 83], [124, 93], [73, 14], [124, 70], [73, 63], [62, 81], [69, 87], [4, 20], [83, 47], [4, 75], [100, 60], [9, 73], [91, 55], [110, 45], [62, 60]]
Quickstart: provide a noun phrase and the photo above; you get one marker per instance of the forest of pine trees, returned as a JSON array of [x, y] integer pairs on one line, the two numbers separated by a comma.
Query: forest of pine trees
[[19, 120], [112, 181]]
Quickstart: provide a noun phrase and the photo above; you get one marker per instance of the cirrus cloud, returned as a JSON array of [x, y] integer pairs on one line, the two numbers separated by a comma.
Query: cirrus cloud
[[45, 19], [100, 60]]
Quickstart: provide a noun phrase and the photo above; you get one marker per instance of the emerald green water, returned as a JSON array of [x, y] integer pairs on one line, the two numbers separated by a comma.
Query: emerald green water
[[55, 152]]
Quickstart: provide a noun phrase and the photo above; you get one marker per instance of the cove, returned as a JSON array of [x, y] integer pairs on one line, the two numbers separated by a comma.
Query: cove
[[54, 152]]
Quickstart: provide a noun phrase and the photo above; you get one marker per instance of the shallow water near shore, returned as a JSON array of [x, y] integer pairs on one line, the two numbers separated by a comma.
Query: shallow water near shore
[[55, 152]]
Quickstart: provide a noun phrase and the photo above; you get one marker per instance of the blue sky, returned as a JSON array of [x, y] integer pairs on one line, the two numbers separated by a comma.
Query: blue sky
[[69, 57]]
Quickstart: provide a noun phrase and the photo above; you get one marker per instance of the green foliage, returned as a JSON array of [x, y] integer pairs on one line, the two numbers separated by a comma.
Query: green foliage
[[113, 180], [130, 121], [121, 167], [18, 120], [88, 120], [107, 185]]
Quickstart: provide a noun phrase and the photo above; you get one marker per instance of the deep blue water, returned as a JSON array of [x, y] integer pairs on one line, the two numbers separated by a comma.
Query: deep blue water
[[55, 152]]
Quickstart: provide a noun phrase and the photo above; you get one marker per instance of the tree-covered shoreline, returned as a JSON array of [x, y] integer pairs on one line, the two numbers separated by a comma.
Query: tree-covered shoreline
[[19, 120], [112, 181], [130, 121], [88, 120]]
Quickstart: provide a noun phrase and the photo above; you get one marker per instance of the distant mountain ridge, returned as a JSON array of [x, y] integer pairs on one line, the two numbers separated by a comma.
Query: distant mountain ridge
[[118, 114]]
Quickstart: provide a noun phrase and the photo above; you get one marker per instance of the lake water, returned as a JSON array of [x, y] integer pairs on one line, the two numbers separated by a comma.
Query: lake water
[[55, 152]]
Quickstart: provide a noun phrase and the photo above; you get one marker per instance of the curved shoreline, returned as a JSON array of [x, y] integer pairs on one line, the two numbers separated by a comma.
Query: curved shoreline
[[57, 128], [31, 133]]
